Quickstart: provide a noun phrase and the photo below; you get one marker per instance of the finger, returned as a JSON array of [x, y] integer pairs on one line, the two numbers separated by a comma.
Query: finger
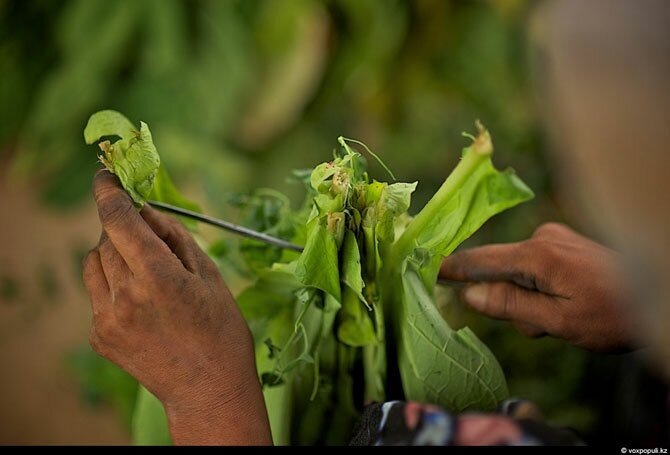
[[116, 270], [177, 238], [507, 301], [130, 234], [96, 283], [504, 262], [486, 429]]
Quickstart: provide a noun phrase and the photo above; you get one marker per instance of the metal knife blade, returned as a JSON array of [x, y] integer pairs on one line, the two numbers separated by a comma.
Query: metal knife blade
[[241, 230]]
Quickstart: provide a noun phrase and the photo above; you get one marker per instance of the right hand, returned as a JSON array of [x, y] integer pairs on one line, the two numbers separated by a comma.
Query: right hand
[[557, 283]]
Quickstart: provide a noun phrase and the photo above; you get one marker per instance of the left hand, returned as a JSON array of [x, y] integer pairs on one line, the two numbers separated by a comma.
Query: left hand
[[162, 312]]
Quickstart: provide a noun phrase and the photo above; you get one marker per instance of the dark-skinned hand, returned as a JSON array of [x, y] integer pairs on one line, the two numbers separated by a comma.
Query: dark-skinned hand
[[162, 312], [556, 283]]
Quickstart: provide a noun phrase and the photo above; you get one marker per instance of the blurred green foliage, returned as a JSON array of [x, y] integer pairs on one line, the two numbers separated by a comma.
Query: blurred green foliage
[[103, 382], [240, 92]]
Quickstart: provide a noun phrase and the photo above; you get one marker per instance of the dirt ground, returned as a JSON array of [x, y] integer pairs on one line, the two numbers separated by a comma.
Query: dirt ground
[[44, 314]]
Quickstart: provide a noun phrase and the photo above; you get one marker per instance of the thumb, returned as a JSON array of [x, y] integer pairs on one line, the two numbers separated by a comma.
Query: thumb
[[510, 302]]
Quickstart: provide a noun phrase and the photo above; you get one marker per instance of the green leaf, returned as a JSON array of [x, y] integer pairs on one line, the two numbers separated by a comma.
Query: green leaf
[[150, 424], [266, 211], [394, 200], [318, 263], [270, 298], [496, 192], [164, 190], [133, 158], [351, 266], [486, 193], [473, 193], [355, 326], [321, 174], [108, 123], [438, 365]]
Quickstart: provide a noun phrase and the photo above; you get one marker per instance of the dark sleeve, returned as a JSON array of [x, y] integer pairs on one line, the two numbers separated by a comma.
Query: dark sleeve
[[410, 423], [403, 423]]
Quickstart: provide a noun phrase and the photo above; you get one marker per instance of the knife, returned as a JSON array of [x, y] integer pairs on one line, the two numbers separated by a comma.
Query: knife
[[237, 229], [250, 233]]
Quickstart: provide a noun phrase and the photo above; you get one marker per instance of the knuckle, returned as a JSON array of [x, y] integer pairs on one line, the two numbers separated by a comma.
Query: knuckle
[[125, 304], [542, 249], [122, 294], [550, 228], [544, 258], [105, 330], [181, 233], [208, 266], [162, 275], [175, 224], [113, 207], [125, 313], [187, 286], [507, 299]]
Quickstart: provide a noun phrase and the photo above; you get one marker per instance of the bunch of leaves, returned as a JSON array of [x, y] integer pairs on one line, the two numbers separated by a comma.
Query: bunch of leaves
[[267, 211], [358, 302]]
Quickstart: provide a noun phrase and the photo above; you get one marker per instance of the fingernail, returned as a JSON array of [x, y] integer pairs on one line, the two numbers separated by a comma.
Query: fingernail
[[475, 296]]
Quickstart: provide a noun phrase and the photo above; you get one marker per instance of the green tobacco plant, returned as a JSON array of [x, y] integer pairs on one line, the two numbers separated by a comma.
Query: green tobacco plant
[[334, 324]]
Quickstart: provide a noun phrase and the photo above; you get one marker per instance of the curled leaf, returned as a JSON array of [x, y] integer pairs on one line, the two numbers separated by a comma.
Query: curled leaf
[[133, 158]]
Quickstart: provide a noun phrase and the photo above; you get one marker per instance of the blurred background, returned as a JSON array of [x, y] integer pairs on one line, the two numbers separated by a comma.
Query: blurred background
[[237, 94]]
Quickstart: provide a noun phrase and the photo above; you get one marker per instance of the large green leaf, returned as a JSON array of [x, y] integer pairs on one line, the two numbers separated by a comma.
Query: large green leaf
[[437, 364], [485, 193], [473, 193], [450, 368]]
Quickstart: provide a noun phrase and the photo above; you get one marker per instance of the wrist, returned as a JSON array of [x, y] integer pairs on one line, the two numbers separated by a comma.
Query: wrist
[[223, 406], [224, 414]]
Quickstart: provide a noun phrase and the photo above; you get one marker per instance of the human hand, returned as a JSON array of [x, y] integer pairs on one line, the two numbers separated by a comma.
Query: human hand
[[162, 312], [557, 282]]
